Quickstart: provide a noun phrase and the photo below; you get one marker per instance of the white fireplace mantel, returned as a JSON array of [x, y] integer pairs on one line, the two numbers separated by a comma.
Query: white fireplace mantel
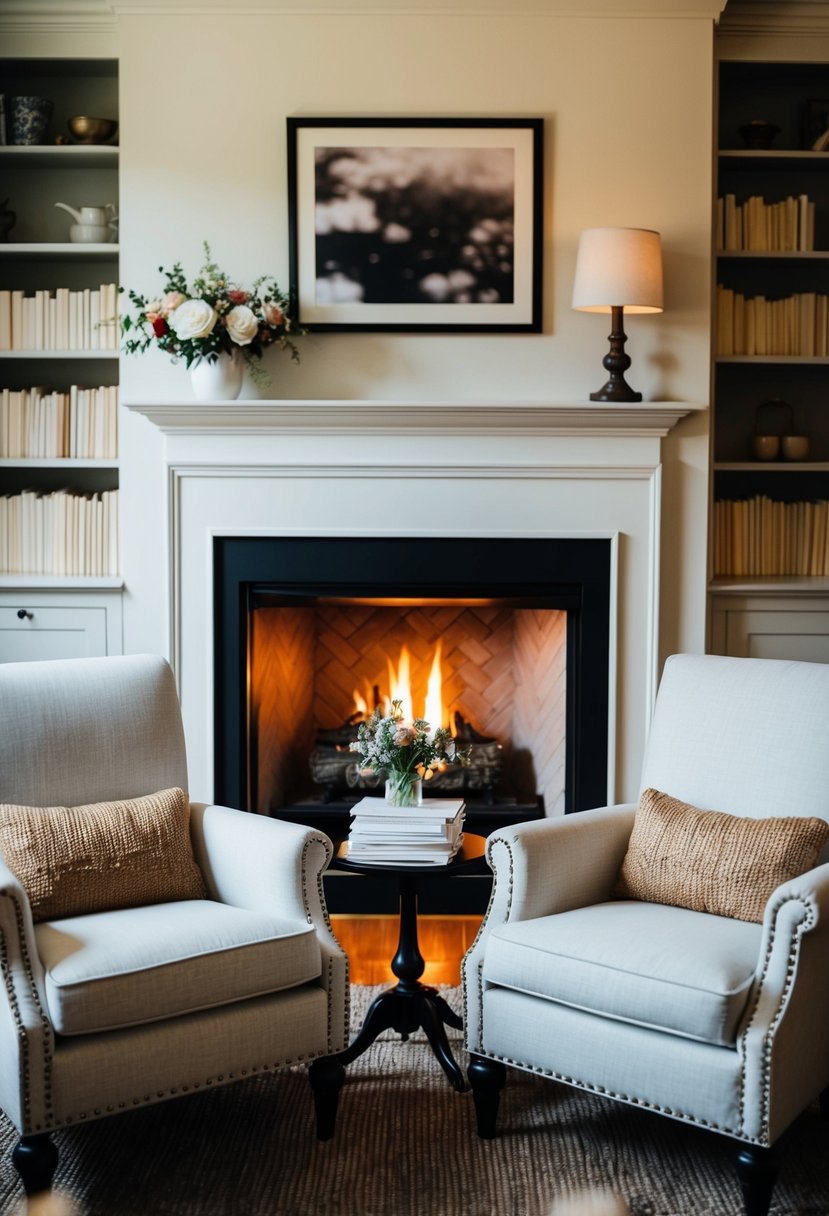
[[396, 468], [643, 419]]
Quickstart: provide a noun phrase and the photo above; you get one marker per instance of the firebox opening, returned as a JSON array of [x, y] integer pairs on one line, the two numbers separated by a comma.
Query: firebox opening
[[294, 615], [492, 672]]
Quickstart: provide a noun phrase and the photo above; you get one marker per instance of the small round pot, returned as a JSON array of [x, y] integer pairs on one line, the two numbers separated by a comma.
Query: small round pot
[[766, 447], [795, 447]]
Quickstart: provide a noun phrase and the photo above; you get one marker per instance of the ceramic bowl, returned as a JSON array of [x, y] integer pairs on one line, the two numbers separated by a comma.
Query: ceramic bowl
[[766, 447], [91, 234], [88, 130], [795, 447]]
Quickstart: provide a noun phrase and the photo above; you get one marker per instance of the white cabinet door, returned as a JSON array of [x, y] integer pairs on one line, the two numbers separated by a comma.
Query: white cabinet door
[[761, 628], [36, 625]]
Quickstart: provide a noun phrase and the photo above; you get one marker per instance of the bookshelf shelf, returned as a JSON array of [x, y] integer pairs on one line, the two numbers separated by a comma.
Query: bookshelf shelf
[[59, 250], [54, 291], [780, 255], [771, 467], [769, 515], [58, 354], [60, 156], [802, 360]]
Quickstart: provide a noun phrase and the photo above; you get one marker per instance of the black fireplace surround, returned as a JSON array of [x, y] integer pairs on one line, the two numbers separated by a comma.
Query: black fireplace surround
[[571, 575]]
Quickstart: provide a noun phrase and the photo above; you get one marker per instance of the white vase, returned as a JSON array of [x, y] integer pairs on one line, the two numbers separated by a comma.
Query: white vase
[[218, 379]]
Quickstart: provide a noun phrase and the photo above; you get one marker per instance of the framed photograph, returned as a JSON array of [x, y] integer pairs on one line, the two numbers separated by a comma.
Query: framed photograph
[[416, 224]]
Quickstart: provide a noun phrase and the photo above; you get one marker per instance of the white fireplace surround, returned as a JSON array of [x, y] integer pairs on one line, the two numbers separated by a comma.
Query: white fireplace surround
[[373, 468]]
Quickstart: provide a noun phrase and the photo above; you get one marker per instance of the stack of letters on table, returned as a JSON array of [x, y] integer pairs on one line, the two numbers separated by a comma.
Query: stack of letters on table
[[425, 835]]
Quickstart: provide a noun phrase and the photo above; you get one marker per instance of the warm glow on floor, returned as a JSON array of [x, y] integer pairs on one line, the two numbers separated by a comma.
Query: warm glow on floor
[[371, 942]]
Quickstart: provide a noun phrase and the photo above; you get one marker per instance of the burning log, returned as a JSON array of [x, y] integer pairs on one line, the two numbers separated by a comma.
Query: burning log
[[334, 767]]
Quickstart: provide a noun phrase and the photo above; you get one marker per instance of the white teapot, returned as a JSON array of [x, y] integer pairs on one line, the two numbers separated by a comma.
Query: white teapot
[[92, 224]]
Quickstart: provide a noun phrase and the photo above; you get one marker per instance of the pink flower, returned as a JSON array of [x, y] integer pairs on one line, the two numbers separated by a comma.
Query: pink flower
[[404, 736], [238, 297], [272, 313], [170, 302]]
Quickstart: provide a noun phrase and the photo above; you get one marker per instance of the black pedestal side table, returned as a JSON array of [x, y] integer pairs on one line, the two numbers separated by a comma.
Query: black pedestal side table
[[409, 1004]]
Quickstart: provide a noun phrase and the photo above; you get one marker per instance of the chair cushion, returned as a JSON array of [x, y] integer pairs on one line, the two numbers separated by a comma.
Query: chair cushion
[[134, 965], [687, 973], [712, 862], [77, 859]]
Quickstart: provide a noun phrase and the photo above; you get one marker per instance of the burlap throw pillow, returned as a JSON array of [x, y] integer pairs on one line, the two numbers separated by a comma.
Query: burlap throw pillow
[[709, 861], [77, 859]]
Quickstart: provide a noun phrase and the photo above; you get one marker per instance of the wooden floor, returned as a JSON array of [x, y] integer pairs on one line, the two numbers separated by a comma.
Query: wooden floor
[[371, 941]]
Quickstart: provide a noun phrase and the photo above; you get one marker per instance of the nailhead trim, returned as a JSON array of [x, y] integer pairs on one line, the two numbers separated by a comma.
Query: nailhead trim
[[329, 853], [23, 1034], [804, 925], [510, 893]]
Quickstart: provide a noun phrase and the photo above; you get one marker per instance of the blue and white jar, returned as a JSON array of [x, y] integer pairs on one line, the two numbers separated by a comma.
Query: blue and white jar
[[29, 119]]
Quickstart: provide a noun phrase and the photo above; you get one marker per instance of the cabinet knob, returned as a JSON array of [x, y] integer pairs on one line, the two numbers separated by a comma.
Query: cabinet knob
[[23, 615]]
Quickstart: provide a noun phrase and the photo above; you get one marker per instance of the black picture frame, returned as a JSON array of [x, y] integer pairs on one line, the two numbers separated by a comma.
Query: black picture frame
[[416, 224]]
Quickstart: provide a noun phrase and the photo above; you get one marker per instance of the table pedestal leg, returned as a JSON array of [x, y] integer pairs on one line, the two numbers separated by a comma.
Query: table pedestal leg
[[409, 1004]]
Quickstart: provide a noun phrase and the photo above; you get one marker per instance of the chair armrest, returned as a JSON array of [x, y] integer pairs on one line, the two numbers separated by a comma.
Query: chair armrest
[[553, 865], [782, 1040], [543, 867], [26, 1036], [253, 861]]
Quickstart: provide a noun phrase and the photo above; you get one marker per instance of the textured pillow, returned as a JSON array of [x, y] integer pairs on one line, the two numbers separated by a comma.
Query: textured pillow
[[712, 862], [77, 859]]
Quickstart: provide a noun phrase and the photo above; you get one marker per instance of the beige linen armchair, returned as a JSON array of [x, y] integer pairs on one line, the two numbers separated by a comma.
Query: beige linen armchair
[[716, 1021], [107, 1010]]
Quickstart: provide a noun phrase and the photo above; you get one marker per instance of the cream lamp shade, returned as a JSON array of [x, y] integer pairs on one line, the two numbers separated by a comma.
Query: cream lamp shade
[[618, 270], [618, 266]]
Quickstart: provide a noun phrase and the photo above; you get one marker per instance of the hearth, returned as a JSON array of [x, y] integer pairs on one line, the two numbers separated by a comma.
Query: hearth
[[521, 627]]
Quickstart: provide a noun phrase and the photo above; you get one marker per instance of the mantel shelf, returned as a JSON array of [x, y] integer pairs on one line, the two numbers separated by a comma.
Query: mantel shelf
[[652, 418]]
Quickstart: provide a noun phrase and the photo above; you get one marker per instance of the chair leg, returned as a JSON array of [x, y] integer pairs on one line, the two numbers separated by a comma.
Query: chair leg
[[757, 1171], [35, 1158], [487, 1078], [326, 1076]]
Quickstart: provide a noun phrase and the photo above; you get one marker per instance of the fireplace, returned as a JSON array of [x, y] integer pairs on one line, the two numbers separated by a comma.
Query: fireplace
[[522, 625]]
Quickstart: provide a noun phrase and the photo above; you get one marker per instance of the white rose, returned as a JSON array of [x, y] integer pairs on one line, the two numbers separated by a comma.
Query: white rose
[[193, 319], [241, 325]]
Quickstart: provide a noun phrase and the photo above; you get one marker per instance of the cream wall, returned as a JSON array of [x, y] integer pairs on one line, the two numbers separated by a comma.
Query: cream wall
[[627, 110]]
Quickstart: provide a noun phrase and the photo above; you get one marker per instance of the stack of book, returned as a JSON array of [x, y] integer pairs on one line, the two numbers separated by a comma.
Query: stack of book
[[425, 835]]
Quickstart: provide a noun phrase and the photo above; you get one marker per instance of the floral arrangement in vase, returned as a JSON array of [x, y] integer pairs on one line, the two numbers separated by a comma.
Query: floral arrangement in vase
[[407, 752], [211, 318]]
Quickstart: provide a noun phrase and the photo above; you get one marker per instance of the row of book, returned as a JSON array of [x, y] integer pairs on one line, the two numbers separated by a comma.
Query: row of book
[[794, 325], [60, 533], [759, 536], [426, 835], [787, 226], [80, 424], [86, 319]]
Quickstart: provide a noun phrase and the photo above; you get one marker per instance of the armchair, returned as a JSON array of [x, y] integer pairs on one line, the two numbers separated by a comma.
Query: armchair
[[105, 1010], [715, 1021]]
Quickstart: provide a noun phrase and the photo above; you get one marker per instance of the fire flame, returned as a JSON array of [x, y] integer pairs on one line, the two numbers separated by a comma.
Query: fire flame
[[400, 689]]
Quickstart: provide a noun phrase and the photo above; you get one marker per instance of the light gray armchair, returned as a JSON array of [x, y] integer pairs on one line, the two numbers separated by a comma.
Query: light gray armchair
[[117, 1009], [720, 1022]]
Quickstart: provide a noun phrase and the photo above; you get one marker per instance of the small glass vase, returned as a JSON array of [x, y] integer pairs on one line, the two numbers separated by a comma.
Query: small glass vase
[[403, 789]]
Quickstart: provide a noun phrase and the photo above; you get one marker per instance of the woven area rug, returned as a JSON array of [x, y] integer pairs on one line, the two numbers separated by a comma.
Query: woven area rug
[[405, 1145]]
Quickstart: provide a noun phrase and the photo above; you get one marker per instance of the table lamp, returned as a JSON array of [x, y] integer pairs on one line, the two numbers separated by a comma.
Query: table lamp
[[618, 270]]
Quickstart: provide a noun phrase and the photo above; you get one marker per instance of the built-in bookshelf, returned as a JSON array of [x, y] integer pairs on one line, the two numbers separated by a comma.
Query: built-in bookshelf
[[59, 466], [771, 325]]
